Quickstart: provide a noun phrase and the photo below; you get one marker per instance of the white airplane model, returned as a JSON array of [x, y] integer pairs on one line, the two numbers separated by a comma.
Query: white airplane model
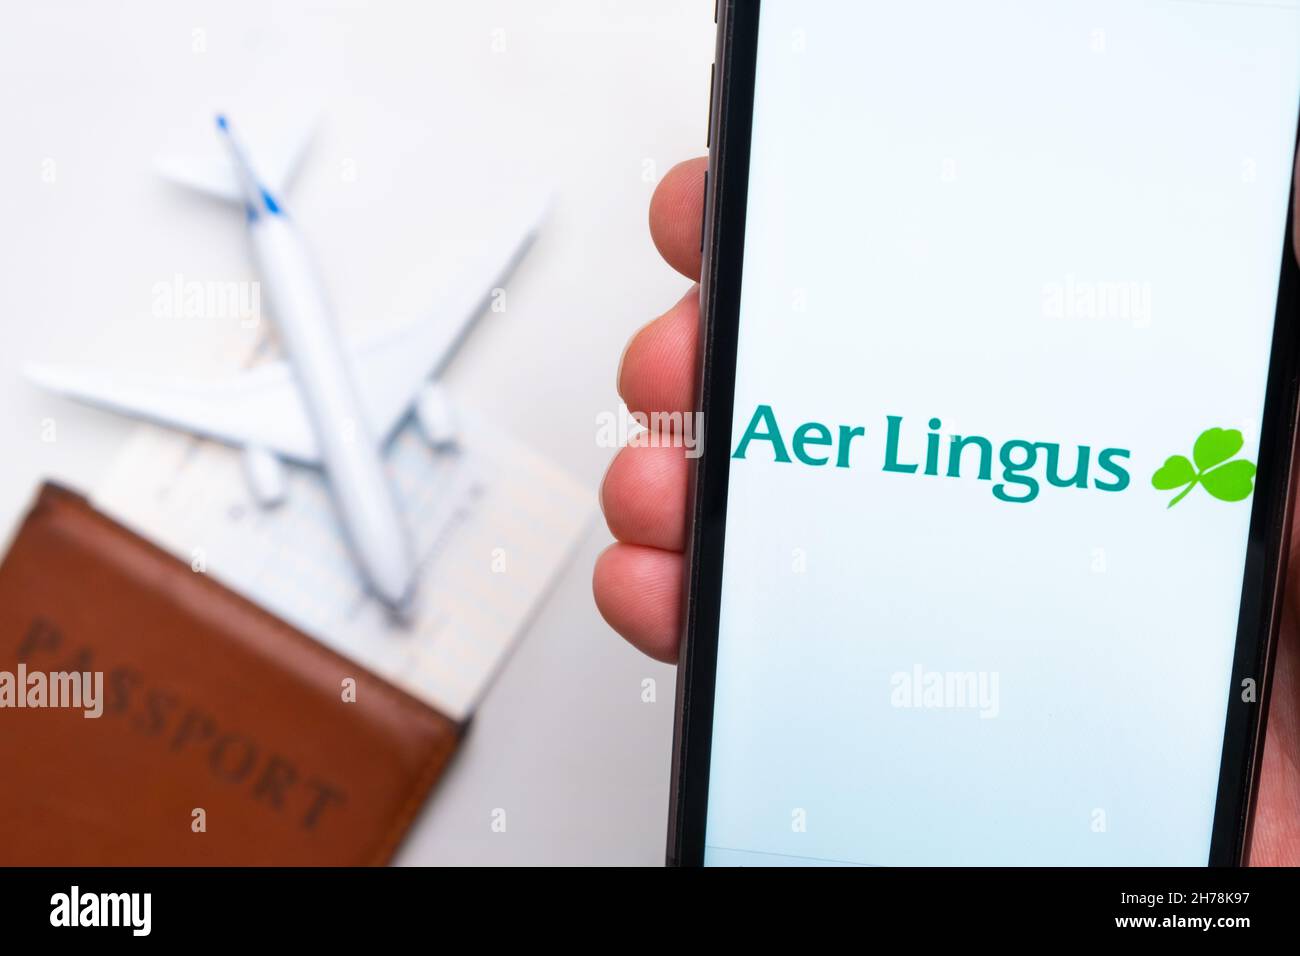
[[329, 406]]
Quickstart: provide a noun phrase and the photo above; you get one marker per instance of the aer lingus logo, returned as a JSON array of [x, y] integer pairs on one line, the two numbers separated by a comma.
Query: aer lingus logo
[[1223, 479], [1017, 470]]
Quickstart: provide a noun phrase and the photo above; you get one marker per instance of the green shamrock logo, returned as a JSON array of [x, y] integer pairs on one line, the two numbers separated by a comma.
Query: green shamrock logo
[[1225, 480]]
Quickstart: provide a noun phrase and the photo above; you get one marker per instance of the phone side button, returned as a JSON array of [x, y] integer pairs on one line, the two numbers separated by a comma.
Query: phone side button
[[703, 206], [708, 130]]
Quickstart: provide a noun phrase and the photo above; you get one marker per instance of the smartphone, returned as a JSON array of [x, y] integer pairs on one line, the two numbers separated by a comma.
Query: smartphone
[[998, 385]]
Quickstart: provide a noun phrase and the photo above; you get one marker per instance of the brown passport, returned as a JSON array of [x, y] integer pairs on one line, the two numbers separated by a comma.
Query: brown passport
[[225, 736]]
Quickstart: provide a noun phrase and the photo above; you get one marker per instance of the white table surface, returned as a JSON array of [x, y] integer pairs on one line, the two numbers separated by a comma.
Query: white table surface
[[595, 99]]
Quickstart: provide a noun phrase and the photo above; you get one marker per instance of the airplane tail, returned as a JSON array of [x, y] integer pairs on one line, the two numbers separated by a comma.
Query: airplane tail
[[279, 157]]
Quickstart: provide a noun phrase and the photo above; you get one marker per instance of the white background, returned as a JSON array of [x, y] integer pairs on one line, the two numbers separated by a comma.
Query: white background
[[425, 127]]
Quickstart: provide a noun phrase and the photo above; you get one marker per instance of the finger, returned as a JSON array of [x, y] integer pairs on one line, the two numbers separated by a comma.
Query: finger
[[657, 373], [644, 497], [1275, 840], [676, 214], [638, 591]]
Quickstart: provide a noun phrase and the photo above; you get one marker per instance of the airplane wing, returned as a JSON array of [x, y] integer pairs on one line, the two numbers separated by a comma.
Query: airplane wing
[[262, 407], [394, 365]]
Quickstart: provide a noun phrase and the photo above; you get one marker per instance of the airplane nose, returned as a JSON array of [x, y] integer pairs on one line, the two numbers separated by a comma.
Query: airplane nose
[[402, 607]]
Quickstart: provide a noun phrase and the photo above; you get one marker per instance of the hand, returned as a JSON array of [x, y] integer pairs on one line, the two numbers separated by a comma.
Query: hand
[[638, 580]]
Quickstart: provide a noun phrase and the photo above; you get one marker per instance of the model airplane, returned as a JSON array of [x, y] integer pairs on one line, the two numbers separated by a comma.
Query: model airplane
[[329, 406]]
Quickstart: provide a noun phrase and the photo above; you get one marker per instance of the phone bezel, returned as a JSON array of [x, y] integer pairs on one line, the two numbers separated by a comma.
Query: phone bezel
[[722, 243]]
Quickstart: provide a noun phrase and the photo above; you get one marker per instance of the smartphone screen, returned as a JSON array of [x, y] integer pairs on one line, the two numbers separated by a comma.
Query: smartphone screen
[[1006, 317]]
